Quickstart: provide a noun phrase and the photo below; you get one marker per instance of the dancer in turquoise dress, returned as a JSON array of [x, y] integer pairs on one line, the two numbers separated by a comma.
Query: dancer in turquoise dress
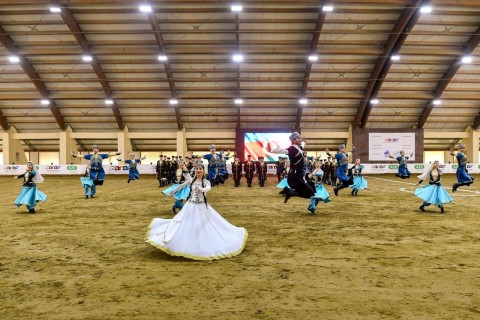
[[30, 195], [284, 182], [179, 191], [433, 193], [463, 178], [359, 181], [321, 194]]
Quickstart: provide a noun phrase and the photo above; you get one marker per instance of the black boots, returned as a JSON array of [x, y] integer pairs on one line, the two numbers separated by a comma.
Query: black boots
[[422, 207], [455, 187]]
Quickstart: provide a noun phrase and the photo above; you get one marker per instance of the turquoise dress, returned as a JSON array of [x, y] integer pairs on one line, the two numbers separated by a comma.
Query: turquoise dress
[[180, 192], [434, 193], [282, 184], [30, 195], [359, 181], [321, 194]]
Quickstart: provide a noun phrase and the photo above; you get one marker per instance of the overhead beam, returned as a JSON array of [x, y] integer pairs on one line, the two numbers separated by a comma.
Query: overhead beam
[[8, 43], [237, 39], [77, 32], [308, 69], [476, 122], [397, 37], [158, 37], [468, 48], [3, 121]]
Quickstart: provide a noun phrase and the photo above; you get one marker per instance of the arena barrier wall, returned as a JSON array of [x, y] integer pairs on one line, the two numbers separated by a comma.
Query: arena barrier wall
[[75, 169]]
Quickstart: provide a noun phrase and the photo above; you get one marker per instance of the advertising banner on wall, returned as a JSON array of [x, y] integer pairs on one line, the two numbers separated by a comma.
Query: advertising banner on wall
[[380, 145]]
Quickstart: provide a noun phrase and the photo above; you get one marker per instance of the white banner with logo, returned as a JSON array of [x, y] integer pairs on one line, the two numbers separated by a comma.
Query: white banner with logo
[[70, 169]]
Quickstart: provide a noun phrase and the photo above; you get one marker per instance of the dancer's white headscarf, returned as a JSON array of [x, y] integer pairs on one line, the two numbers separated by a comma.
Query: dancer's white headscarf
[[38, 177], [426, 174]]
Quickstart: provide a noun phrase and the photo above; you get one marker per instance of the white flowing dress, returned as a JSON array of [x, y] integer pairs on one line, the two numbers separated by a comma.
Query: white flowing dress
[[197, 231]]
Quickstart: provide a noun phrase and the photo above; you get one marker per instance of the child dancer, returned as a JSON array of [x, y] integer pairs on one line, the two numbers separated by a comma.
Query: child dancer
[[433, 193], [179, 191], [359, 181], [30, 195], [321, 194]]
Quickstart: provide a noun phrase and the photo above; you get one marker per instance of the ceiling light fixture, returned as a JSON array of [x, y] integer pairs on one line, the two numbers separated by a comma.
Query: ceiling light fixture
[[236, 8], [426, 9], [327, 8], [145, 8], [87, 58], [237, 57], [108, 101]]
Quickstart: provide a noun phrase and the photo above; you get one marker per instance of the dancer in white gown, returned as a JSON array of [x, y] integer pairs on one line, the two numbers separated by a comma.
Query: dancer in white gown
[[198, 231]]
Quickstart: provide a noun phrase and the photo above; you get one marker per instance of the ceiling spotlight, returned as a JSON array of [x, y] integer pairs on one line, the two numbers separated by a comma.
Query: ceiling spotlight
[[55, 9], [467, 59], [437, 102], [238, 101], [237, 57], [236, 8], [14, 59], [327, 8], [426, 9], [313, 57], [303, 101], [395, 57], [173, 101], [87, 58], [162, 58], [45, 102], [145, 8], [108, 101], [374, 101]]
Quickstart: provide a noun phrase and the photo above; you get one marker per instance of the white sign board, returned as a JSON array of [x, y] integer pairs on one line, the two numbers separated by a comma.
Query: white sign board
[[380, 144]]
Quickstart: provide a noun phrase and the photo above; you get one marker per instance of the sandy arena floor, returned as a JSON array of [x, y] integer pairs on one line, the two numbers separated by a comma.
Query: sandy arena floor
[[374, 256]]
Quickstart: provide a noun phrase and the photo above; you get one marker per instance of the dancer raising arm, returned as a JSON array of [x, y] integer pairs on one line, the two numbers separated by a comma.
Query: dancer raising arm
[[402, 164], [30, 195], [97, 174], [463, 178], [342, 167], [433, 193]]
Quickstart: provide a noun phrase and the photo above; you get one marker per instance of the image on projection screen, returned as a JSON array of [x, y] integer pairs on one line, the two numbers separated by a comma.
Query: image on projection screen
[[260, 144]]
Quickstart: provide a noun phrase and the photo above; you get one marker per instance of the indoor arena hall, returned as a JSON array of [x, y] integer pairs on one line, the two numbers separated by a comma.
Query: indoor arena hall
[[270, 159]]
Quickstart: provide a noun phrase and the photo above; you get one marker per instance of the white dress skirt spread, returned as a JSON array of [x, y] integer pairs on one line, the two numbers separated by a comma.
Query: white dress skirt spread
[[198, 231]]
